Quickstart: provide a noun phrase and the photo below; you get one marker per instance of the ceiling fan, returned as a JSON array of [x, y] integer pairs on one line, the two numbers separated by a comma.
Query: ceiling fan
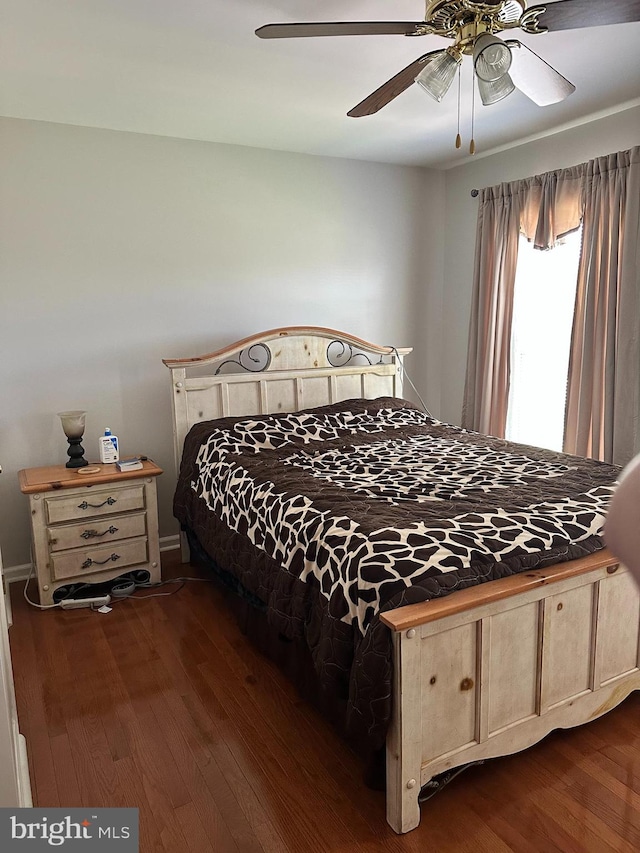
[[500, 65]]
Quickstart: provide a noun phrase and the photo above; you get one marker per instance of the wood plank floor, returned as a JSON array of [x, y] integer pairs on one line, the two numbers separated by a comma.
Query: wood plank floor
[[165, 705]]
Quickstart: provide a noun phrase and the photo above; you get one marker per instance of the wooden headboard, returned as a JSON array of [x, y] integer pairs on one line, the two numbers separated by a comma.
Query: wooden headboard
[[282, 370]]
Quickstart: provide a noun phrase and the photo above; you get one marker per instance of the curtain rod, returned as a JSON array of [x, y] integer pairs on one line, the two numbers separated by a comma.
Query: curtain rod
[[475, 193]]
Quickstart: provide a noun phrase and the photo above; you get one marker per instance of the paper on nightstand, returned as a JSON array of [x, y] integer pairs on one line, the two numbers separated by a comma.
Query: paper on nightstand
[[133, 464]]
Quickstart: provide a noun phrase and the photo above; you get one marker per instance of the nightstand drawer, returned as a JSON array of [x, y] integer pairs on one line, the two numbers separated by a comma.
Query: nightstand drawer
[[94, 503], [95, 532], [68, 564]]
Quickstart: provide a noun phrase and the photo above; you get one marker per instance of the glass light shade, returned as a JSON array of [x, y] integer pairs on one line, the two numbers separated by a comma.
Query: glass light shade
[[495, 91], [73, 423], [491, 58], [437, 75]]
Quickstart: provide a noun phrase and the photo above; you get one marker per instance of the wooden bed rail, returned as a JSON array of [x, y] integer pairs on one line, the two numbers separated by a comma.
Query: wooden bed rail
[[403, 618]]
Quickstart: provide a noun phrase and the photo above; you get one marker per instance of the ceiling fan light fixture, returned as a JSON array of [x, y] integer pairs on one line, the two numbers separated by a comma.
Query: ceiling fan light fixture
[[437, 75], [491, 58], [495, 90]]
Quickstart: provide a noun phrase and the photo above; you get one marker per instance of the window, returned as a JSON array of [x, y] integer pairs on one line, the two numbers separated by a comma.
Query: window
[[544, 301]]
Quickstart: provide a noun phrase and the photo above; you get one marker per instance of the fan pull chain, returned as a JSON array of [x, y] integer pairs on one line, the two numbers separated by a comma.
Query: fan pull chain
[[458, 137], [472, 144]]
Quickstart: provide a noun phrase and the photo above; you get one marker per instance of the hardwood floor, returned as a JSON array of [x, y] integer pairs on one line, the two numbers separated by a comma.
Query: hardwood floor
[[165, 705]]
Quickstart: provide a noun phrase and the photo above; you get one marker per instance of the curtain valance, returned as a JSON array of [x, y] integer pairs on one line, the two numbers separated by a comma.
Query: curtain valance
[[552, 206]]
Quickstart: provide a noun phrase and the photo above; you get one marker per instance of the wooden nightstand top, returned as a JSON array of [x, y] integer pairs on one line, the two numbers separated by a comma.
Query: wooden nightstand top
[[55, 477]]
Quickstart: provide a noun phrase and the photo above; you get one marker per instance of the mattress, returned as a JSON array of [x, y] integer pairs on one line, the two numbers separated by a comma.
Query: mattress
[[330, 516]]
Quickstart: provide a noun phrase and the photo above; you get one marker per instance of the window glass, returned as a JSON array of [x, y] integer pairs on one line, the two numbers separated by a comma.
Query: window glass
[[544, 299]]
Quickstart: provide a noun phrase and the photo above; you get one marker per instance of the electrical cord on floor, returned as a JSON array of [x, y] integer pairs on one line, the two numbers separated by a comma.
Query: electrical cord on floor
[[123, 594], [131, 595], [47, 606], [182, 581], [115, 597]]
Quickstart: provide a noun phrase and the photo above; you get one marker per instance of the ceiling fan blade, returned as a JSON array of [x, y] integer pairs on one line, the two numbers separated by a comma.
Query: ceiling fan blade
[[349, 28], [574, 14], [536, 78], [392, 88]]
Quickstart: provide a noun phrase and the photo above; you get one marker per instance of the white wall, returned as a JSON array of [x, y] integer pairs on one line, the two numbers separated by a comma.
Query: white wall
[[617, 132], [118, 249]]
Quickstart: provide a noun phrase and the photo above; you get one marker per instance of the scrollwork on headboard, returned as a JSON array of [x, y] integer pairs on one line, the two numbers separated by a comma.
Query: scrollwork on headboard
[[259, 364], [257, 358], [346, 355]]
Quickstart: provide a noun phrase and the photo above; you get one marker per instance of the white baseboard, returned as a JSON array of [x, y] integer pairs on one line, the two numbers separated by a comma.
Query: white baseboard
[[170, 543], [12, 574]]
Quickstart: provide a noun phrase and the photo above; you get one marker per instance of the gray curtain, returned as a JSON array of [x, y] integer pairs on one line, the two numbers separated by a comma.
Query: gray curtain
[[603, 394], [487, 384]]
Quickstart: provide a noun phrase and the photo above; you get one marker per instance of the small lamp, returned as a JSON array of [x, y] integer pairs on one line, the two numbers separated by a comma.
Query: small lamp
[[73, 426]]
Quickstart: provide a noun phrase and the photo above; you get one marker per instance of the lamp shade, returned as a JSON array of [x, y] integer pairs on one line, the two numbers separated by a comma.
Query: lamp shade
[[73, 423], [491, 93], [491, 58], [437, 75]]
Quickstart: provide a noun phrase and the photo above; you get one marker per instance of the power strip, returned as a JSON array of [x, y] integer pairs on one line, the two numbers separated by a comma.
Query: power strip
[[75, 603]]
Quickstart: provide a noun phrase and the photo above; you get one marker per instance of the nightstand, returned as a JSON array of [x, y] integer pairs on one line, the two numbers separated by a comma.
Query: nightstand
[[90, 528]]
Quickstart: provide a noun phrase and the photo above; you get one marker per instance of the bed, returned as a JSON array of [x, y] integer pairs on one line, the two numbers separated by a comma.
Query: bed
[[458, 603]]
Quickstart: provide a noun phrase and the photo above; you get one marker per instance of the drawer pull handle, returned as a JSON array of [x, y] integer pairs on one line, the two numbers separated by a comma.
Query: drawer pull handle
[[89, 562], [93, 534], [84, 505]]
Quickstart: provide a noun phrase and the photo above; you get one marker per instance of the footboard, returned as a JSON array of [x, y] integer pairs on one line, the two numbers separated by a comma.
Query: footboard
[[491, 670]]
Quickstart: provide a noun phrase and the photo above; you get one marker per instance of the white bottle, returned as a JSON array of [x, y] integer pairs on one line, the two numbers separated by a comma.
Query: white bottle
[[109, 447]]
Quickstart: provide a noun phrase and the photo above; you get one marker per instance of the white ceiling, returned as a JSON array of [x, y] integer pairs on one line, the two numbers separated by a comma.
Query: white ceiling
[[194, 69]]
